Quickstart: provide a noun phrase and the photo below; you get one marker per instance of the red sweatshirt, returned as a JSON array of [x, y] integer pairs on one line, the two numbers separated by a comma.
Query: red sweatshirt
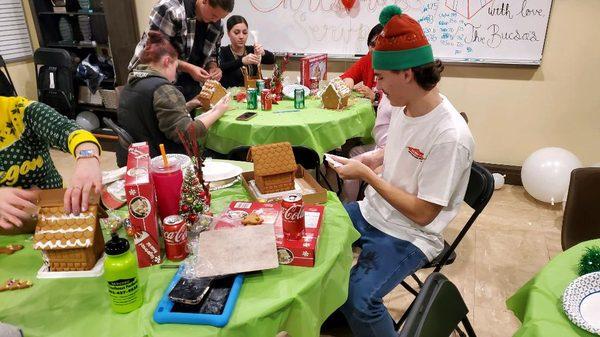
[[362, 71]]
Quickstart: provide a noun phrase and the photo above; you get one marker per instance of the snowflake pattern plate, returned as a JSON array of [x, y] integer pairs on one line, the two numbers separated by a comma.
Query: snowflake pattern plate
[[581, 302]]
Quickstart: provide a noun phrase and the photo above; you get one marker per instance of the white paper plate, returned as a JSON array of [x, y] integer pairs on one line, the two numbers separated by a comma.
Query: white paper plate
[[288, 90], [581, 302], [216, 171], [98, 270]]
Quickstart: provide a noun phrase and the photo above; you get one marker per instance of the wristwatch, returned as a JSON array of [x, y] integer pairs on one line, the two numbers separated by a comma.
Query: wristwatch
[[87, 153], [377, 98]]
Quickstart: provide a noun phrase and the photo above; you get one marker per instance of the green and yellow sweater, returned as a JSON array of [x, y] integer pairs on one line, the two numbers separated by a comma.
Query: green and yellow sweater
[[27, 130]]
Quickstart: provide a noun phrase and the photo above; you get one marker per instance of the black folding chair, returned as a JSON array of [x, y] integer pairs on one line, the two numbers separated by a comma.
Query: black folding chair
[[125, 139], [7, 87], [479, 192], [581, 219], [437, 310], [308, 158]]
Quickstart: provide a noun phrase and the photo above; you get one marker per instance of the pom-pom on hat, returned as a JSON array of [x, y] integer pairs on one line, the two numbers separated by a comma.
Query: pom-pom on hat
[[402, 44]]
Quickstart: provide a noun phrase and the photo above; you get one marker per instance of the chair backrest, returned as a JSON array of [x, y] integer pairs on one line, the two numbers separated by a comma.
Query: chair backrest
[[55, 79], [7, 87], [437, 310], [125, 138], [581, 219], [478, 194], [239, 153]]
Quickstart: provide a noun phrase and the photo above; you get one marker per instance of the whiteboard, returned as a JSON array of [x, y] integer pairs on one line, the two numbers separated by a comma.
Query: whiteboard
[[474, 31]]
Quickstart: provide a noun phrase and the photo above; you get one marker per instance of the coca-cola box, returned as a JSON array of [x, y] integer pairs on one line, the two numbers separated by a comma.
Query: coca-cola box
[[141, 201], [301, 252]]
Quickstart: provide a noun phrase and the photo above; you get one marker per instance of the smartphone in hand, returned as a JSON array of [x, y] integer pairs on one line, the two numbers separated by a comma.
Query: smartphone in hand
[[332, 162], [245, 116]]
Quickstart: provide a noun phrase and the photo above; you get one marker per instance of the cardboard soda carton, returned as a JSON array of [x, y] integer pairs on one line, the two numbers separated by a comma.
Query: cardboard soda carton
[[300, 252], [141, 201]]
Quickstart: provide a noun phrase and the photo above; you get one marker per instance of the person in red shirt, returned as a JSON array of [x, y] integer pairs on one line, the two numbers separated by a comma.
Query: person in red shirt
[[360, 76]]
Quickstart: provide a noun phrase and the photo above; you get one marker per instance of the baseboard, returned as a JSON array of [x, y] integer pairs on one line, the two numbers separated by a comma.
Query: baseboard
[[512, 173]]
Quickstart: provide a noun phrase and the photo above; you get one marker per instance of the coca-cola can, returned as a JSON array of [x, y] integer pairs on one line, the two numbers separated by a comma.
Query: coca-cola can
[[292, 207], [175, 234]]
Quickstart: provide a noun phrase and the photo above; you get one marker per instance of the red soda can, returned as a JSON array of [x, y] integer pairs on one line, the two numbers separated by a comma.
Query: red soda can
[[175, 234], [264, 96], [292, 207]]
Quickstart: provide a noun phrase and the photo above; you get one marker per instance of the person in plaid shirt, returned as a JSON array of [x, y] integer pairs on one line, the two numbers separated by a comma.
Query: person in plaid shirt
[[194, 28]]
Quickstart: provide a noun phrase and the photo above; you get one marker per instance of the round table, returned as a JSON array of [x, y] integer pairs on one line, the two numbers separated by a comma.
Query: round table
[[293, 299], [314, 127], [538, 304]]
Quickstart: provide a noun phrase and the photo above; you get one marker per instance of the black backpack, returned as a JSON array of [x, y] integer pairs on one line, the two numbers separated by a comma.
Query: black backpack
[[55, 80]]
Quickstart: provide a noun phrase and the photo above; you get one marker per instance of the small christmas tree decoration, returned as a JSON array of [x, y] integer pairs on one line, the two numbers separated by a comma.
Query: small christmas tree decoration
[[195, 198], [590, 261]]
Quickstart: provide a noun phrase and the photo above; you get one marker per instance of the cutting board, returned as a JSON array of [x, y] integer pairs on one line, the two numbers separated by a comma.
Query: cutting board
[[236, 250]]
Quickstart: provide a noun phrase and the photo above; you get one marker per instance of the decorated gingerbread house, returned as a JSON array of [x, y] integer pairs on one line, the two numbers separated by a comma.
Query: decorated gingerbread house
[[250, 80], [274, 167], [69, 242], [212, 92], [336, 94]]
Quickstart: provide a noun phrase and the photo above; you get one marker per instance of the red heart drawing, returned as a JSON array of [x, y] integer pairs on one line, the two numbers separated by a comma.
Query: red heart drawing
[[348, 4]]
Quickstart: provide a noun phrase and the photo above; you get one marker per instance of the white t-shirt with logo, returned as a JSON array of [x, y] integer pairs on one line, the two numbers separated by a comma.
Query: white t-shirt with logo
[[428, 156]]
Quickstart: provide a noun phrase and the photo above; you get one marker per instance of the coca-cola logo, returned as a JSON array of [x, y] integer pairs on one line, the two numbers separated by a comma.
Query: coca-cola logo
[[294, 212], [176, 237]]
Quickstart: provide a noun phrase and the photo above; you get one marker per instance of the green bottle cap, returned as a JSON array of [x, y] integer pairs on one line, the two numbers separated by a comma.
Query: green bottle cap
[[116, 245]]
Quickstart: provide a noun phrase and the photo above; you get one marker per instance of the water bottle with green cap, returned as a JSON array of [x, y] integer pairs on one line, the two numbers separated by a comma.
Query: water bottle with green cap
[[120, 271]]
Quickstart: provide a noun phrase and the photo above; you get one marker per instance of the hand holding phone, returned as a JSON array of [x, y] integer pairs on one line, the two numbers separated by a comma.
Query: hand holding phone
[[245, 116], [332, 162]]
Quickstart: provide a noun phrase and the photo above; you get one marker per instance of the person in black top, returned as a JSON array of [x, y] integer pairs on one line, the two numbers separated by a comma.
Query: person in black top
[[237, 55]]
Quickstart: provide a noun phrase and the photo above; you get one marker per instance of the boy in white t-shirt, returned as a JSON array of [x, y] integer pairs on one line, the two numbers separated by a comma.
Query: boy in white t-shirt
[[426, 168]]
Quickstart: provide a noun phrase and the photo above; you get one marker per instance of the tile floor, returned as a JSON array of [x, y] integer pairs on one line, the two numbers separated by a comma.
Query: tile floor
[[511, 240]]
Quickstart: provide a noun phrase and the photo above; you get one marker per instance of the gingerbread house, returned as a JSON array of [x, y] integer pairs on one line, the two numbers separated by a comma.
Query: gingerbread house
[[212, 92], [250, 80], [274, 167], [336, 94], [69, 242]]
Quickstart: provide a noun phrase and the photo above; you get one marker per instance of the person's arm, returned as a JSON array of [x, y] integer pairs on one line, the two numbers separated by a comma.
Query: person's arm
[[64, 134], [420, 211], [442, 172], [268, 58], [353, 75], [171, 112], [16, 207], [197, 73]]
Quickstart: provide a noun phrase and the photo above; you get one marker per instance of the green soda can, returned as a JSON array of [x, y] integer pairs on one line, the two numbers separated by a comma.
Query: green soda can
[[299, 99], [252, 99], [260, 85], [120, 272]]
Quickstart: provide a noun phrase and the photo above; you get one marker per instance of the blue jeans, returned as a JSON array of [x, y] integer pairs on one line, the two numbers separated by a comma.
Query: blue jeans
[[382, 264]]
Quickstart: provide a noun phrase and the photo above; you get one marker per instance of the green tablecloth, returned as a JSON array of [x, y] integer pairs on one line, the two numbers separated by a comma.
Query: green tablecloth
[[294, 299], [538, 304], [314, 127]]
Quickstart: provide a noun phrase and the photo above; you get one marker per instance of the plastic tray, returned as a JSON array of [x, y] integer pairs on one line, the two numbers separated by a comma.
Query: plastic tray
[[163, 313]]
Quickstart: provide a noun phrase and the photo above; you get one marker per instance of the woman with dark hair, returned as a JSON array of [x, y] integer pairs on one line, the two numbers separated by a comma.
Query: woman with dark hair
[[237, 55], [362, 70], [152, 109]]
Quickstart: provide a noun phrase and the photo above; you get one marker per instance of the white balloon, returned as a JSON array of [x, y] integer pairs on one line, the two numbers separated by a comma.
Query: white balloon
[[546, 173], [498, 181], [595, 165], [88, 120]]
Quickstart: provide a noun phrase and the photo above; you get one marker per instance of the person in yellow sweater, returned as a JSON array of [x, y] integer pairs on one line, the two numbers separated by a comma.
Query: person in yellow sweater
[[27, 131]]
